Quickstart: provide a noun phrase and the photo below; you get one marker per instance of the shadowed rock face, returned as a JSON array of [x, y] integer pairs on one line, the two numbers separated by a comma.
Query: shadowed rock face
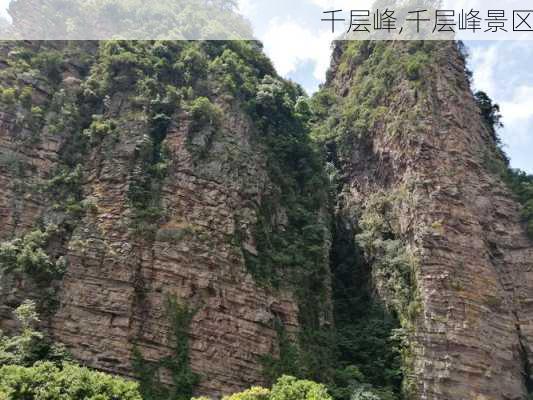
[[471, 334], [112, 295]]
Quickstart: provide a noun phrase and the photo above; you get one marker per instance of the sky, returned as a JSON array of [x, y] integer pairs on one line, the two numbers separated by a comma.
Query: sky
[[302, 52], [299, 45]]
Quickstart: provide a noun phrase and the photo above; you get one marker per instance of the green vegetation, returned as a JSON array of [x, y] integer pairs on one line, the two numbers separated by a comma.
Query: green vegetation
[[145, 187], [50, 63], [294, 253], [205, 121], [64, 114], [8, 95], [204, 113], [288, 360], [286, 388], [490, 113], [369, 338], [28, 254], [290, 388], [297, 250], [168, 82], [375, 295], [177, 81], [149, 73], [375, 68], [254, 393], [362, 357], [45, 380], [183, 379], [393, 275], [29, 118], [30, 345], [100, 128], [393, 265], [33, 368], [184, 78], [11, 161], [415, 64], [521, 184], [31, 70]]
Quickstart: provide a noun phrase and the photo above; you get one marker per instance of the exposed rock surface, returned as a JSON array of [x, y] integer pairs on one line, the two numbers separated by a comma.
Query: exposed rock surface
[[112, 295], [416, 180], [473, 337]]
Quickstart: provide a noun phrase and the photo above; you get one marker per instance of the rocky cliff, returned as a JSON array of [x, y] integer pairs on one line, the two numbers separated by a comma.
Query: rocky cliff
[[183, 216], [442, 233], [138, 177]]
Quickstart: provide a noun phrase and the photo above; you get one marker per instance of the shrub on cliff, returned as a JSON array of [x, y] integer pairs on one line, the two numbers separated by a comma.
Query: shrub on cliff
[[28, 255], [29, 345], [290, 388], [490, 113], [204, 113], [415, 64]]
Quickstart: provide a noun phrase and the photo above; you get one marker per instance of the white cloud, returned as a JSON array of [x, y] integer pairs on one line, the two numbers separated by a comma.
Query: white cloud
[[484, 61], [246, 7], [520, 107], [290, 45], [518, 116], [515, 100], [4, 5]]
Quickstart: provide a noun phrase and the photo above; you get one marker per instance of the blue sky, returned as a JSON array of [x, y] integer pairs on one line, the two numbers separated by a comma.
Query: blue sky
[[299, 45]]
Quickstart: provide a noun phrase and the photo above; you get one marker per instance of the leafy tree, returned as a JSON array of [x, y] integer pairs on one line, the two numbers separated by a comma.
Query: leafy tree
[[254, 393], [490, 113], [48, 381], [286, 388], [290, 388], [30, 345], [28, 255]]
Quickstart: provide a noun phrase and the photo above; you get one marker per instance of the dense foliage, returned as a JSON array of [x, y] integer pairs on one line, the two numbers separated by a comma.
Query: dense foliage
[[375, 68], [30, 345], [47, 381], [286, 388], [28, 255], [368, 336]]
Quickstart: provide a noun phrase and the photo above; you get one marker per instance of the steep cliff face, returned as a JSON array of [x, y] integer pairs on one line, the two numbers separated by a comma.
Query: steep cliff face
[[163, 204], [442, 233], [139, 176]]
